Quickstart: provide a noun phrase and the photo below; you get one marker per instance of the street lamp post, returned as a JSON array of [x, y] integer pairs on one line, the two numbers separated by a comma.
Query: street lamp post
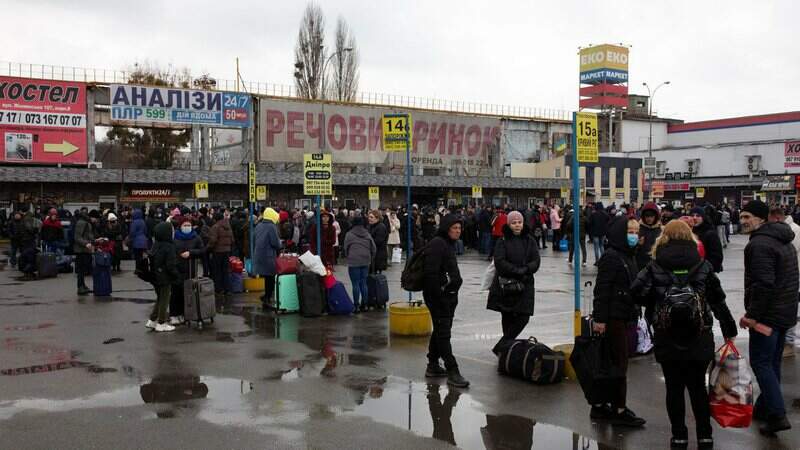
[[650, 96]]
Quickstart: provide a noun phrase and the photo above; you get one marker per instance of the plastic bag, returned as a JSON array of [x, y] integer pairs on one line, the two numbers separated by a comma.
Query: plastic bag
[[488, 277], [397, 255], [731, 388], [563, 245], [329, 280], [645, 342], [313, 263]]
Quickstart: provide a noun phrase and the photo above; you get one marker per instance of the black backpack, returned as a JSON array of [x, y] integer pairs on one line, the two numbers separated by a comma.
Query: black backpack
[[681, 312], [413, 277]]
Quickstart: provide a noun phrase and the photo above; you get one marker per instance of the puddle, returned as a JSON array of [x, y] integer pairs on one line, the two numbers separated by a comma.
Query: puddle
[[269, 354], [113, 341], [97, 369], [40, 326], [226, 336]]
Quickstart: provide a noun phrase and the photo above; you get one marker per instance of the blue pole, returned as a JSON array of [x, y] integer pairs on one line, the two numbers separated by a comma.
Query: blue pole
[[576, 187], [410, 245], [319, 226]]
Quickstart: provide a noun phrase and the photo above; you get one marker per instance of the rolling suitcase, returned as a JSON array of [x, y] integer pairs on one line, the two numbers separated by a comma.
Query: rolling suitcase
[[101, 274], [47, 265], [199, 301], [339, 301], [533, 361], [377, 291], [311, 294], [237, 282], [286, 297]]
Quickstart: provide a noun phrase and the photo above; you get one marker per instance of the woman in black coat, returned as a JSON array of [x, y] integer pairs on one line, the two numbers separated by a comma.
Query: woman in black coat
[[516, 259], [380, 234], [614, 309], [708, 235], [683, 350], [189, 248]]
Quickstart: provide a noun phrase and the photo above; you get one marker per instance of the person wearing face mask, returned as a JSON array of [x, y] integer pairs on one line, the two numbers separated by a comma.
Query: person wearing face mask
[[188, 249], [516, 259], [614, 309]]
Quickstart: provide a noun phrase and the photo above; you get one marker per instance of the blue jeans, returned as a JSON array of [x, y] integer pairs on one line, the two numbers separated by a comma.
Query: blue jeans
[[766, 354], [486, 241], [597, 243], [358, 278]]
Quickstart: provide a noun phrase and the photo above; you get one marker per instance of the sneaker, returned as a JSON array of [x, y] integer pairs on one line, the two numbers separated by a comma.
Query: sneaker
[[83, 291], [161, 327], [627, 418], [455, 379], [788, 350], [601, 412], [775, 425], [705, 443], [679, 443], [150, 324], [583, 264], [175, 320], [435, 371]]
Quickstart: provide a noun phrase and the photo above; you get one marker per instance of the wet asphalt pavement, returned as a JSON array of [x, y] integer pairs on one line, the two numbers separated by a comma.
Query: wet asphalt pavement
[[82, 372]]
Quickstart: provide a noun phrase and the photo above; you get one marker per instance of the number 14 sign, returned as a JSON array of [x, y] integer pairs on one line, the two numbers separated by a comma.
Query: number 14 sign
[[396, 132], [586, 137]]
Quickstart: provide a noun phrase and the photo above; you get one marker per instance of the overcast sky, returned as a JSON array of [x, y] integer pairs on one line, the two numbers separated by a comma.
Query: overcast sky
[[724, 59]]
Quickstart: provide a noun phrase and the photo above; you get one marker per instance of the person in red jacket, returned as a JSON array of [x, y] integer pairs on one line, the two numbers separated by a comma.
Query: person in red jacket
[[498, 222], [52, 231]]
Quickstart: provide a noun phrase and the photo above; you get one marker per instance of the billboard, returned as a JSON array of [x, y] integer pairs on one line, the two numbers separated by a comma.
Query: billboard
[[43, 121], [604, 64], [149, 106], [791, 154], [354, 135]]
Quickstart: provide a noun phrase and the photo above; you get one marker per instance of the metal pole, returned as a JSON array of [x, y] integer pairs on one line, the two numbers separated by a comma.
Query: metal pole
[[575, 225], [319, 230], [410, 245]]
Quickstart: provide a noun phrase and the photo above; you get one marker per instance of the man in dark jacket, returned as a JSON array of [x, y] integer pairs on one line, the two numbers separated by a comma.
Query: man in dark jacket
[[220, 243], [442, 280], [598, 228], [649, 231], [485, 229], [770, 300], [568, 230], [707, 232], [14, 232], [83, 247], [166, 274]]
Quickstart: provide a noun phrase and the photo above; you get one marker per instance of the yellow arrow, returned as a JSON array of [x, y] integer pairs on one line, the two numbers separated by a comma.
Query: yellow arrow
[[65, 148]]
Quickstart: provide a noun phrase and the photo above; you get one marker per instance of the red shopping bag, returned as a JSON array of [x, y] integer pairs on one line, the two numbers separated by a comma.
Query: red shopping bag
[[285, 264], [731, 388]]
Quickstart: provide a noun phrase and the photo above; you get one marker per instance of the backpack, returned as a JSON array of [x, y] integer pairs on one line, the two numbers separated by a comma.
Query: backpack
[[680, 313], [413, 277]]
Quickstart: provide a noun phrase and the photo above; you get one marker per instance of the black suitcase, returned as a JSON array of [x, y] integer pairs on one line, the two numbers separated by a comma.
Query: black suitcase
[[46, 265], [311, 293], [596, 374], [532, 361], [377, 291]]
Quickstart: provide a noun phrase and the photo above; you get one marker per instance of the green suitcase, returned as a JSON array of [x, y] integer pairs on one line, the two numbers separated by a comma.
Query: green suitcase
[[286, 298]]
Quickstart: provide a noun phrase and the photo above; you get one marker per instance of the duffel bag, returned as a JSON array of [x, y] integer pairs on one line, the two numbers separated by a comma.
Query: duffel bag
[[533, 361]]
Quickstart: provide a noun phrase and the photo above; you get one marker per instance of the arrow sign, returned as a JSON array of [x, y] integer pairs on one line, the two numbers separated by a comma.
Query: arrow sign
[[65, 148]]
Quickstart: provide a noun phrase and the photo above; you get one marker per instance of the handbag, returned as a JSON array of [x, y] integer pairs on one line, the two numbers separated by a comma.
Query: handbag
[[510, 285]]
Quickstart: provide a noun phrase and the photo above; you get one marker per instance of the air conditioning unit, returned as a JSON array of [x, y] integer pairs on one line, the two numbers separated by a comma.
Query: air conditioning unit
[[693, 166], [661, 169], [754, 164], [95, 165]]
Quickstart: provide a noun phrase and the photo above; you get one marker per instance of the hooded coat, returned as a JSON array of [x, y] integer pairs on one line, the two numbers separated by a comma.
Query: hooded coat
[[138, 231], [707, 233], [649, 232], [220, 237], [771, 276], [359, 247], [654, 281], [616, 271], [84, 234], [598, 221], [193, 244], [442, 279], [266, 246], [163, 257], [515, 257]]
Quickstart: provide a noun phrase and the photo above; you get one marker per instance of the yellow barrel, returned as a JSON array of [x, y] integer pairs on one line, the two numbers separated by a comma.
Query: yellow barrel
[[409, 319], [569, 371], [254, 284]]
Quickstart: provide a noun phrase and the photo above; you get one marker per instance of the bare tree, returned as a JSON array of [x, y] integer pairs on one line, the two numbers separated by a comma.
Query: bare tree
[[309, 54], [345, 65]]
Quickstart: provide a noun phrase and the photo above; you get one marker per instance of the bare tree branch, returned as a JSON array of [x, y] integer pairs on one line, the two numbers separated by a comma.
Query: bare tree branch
[[345, 64], [309, 53]]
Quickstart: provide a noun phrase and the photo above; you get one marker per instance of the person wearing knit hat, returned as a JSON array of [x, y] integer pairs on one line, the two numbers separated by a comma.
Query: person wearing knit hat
[[757, 208], [707, 233], [266, 246], [515, 215]]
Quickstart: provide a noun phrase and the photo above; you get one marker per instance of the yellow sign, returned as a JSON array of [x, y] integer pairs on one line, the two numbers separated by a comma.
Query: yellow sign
[[374, 193], [586, 136], [604, 57], [477, 191], [564, 192], [261, 193], [397, 132], [251, 181], [701, 192], [317, 174], [201, 189]]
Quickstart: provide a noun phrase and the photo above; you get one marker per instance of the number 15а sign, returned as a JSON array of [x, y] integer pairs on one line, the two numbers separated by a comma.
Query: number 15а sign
[[317, 177], [42, 121], [586, 137], [153, 106]]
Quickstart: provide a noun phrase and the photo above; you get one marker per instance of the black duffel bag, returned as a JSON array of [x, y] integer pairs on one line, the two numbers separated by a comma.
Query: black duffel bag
[[597, 374], [533, 361]]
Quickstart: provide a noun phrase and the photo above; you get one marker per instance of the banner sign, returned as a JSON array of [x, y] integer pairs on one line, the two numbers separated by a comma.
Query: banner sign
[[701, 192], [477, 191], [780, 183], [152, 106], [317, 176], [261, 192], [374, 193], [43, 121], [587, 143], [251, 181], [604, 64], [354, 135], [791, 154], [396, 132], [201, 189]]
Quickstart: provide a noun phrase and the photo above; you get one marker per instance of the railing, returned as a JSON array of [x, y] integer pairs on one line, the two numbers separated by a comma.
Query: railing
[[107, 76]]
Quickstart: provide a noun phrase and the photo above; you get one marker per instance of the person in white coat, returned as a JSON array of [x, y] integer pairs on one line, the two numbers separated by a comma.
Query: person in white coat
[[778, 215], [394, 231]]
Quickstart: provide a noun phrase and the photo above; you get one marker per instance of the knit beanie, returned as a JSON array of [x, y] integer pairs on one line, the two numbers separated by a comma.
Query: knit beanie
[[758, 209], [515, 215]]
